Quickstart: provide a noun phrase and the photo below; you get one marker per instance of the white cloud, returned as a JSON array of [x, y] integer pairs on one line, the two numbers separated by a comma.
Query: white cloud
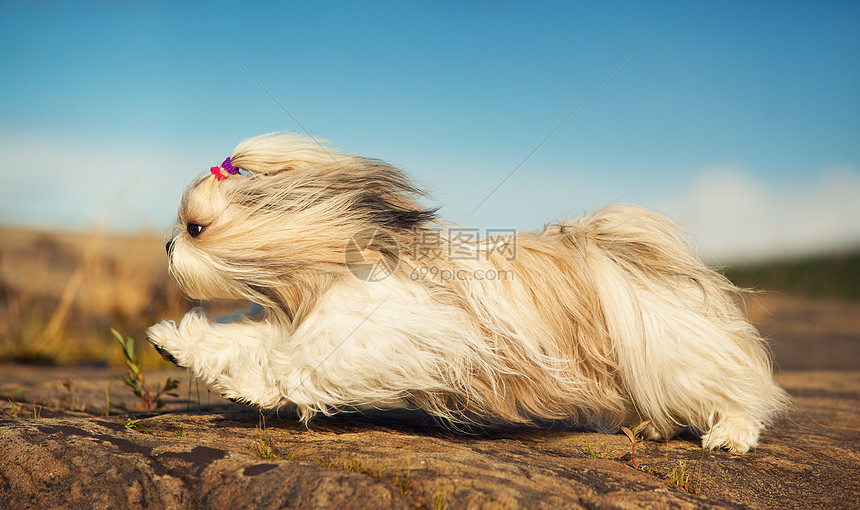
[[735, 216]]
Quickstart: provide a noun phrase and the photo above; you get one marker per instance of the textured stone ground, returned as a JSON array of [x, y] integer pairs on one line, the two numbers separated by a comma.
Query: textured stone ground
[[217, 457], [59, 450]]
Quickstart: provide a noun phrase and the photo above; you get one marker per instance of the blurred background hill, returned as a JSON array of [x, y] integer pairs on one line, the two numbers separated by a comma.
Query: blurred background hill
[[832, 276]]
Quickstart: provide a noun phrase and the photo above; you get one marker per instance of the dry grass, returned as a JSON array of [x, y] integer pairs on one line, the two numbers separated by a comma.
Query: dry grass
[[60, 293]]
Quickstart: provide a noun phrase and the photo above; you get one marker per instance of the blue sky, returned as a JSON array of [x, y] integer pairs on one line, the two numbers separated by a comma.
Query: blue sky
[[740, 120]]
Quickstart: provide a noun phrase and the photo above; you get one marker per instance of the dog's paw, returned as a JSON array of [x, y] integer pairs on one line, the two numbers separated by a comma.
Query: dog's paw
[[166, 356], [735, 435], [160, 336]]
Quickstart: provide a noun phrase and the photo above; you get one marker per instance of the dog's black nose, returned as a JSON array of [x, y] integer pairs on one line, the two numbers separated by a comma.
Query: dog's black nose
[[168, 245]]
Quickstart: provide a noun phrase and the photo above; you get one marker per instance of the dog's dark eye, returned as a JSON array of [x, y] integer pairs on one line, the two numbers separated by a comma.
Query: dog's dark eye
[[194, 229]]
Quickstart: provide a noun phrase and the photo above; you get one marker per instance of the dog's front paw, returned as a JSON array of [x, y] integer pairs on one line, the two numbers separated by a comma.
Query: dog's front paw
[[160, 336], [179, 344], [166, 356]]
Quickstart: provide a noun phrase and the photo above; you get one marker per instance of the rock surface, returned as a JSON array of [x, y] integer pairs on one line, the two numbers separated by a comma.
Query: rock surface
[[58, 449], [224, 456]]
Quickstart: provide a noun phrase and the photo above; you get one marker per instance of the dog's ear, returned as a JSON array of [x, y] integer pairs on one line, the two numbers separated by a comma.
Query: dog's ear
[[387, 197]]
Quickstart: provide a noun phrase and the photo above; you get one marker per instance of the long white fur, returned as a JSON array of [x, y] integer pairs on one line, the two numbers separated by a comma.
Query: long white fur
[[604, 320]]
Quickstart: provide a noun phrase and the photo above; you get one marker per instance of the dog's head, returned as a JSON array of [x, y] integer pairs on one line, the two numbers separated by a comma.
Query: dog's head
[[275, 218]]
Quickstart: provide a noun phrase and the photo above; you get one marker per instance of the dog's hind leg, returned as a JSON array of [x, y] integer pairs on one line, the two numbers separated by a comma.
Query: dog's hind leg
[[685, 351]]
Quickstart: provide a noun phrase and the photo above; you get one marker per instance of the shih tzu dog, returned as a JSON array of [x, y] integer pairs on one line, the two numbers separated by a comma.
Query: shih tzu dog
[[367, 300]]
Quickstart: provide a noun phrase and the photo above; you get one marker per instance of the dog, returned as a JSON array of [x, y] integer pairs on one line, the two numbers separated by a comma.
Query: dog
[[365, 300]]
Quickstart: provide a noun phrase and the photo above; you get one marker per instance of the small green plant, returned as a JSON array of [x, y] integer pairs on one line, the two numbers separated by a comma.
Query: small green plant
[[266, 450], [635, 437], [591, 452], [179, 431], [352, 464], [264, 446], [37, 411], [702, 462], [134, 424], [681, 476], [356, 465], [150, 397], [440, 498], [403, 482], [401, 479], [14, 408]]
